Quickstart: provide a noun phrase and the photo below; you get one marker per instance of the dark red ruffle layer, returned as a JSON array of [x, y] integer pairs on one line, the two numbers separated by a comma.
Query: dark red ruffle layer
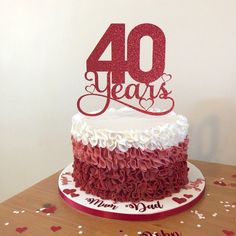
[[130, 185], [155, 174]]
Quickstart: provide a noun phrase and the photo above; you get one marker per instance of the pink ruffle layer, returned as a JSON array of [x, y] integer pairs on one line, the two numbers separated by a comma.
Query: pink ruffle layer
[[131, 176], [134, 158]]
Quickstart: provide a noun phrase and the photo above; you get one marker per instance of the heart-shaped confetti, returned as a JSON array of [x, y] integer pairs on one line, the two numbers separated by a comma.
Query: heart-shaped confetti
[[74, 195], [188, 195], [228, 232], [21, 229], [51, 209], [55, 228], [221, 183], [179, 200], [69, 191]]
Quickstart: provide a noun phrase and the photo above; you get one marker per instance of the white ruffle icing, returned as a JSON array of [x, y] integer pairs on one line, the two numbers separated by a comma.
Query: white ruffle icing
[[172, 130]]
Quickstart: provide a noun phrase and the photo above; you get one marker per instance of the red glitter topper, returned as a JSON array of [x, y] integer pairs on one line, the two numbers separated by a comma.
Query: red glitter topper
[[145, 92]]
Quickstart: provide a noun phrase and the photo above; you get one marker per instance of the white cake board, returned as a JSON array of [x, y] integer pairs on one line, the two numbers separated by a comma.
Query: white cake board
[[142, 210]]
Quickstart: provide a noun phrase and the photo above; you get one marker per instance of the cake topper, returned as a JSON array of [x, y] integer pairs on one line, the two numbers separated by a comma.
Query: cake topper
[[149, 87]]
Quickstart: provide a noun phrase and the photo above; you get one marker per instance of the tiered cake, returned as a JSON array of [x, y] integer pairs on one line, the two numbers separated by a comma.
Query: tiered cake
[[124, 155]]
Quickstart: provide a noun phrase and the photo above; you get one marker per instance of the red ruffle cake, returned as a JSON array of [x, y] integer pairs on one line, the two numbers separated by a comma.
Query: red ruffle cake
[[127, 156]]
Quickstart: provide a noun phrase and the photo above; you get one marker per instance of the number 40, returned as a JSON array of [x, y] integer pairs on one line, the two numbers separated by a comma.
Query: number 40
[[115, 35]]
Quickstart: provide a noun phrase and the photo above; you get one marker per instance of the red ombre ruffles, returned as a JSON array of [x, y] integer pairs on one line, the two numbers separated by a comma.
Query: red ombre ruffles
[[130, 176]]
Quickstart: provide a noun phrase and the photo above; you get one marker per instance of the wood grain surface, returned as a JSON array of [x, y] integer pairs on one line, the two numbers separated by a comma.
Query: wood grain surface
[[214, 215]]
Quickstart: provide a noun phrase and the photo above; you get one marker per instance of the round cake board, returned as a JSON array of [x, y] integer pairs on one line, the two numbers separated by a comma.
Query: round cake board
[[178, 202]]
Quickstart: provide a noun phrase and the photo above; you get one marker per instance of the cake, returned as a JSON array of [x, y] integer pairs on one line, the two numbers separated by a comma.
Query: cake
[[124, 155]]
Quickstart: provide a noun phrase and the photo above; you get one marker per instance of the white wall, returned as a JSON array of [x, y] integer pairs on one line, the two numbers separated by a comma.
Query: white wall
[[44, 43]]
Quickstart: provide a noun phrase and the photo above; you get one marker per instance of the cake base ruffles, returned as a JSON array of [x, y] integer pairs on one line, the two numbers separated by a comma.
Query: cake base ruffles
[[134, 175], [130, 185], [143, 210]]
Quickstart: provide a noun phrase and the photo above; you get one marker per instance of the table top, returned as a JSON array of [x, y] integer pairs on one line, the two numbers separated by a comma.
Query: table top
[[40, 210]]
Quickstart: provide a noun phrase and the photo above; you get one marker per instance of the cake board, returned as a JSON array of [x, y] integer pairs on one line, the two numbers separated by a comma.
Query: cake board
[[140, 211]]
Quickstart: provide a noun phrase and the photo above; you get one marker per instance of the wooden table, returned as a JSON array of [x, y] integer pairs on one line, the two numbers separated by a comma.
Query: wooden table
[[215, 214]]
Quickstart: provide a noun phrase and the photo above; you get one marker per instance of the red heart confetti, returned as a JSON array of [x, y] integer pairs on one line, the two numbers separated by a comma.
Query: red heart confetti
[[69, 191], [51, 209], [74, 195], [55, 228], [221, 183], [188, 195], [179, 200], [21, 229], [228, 233]]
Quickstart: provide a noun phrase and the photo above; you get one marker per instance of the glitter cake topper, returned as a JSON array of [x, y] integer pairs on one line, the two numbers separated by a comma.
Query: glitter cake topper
[[149, 87]]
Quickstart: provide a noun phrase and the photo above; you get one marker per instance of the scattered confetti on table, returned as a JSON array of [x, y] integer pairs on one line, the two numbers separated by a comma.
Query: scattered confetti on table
[[215, 214], [55, 228], [21, 229], [228, 232]]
